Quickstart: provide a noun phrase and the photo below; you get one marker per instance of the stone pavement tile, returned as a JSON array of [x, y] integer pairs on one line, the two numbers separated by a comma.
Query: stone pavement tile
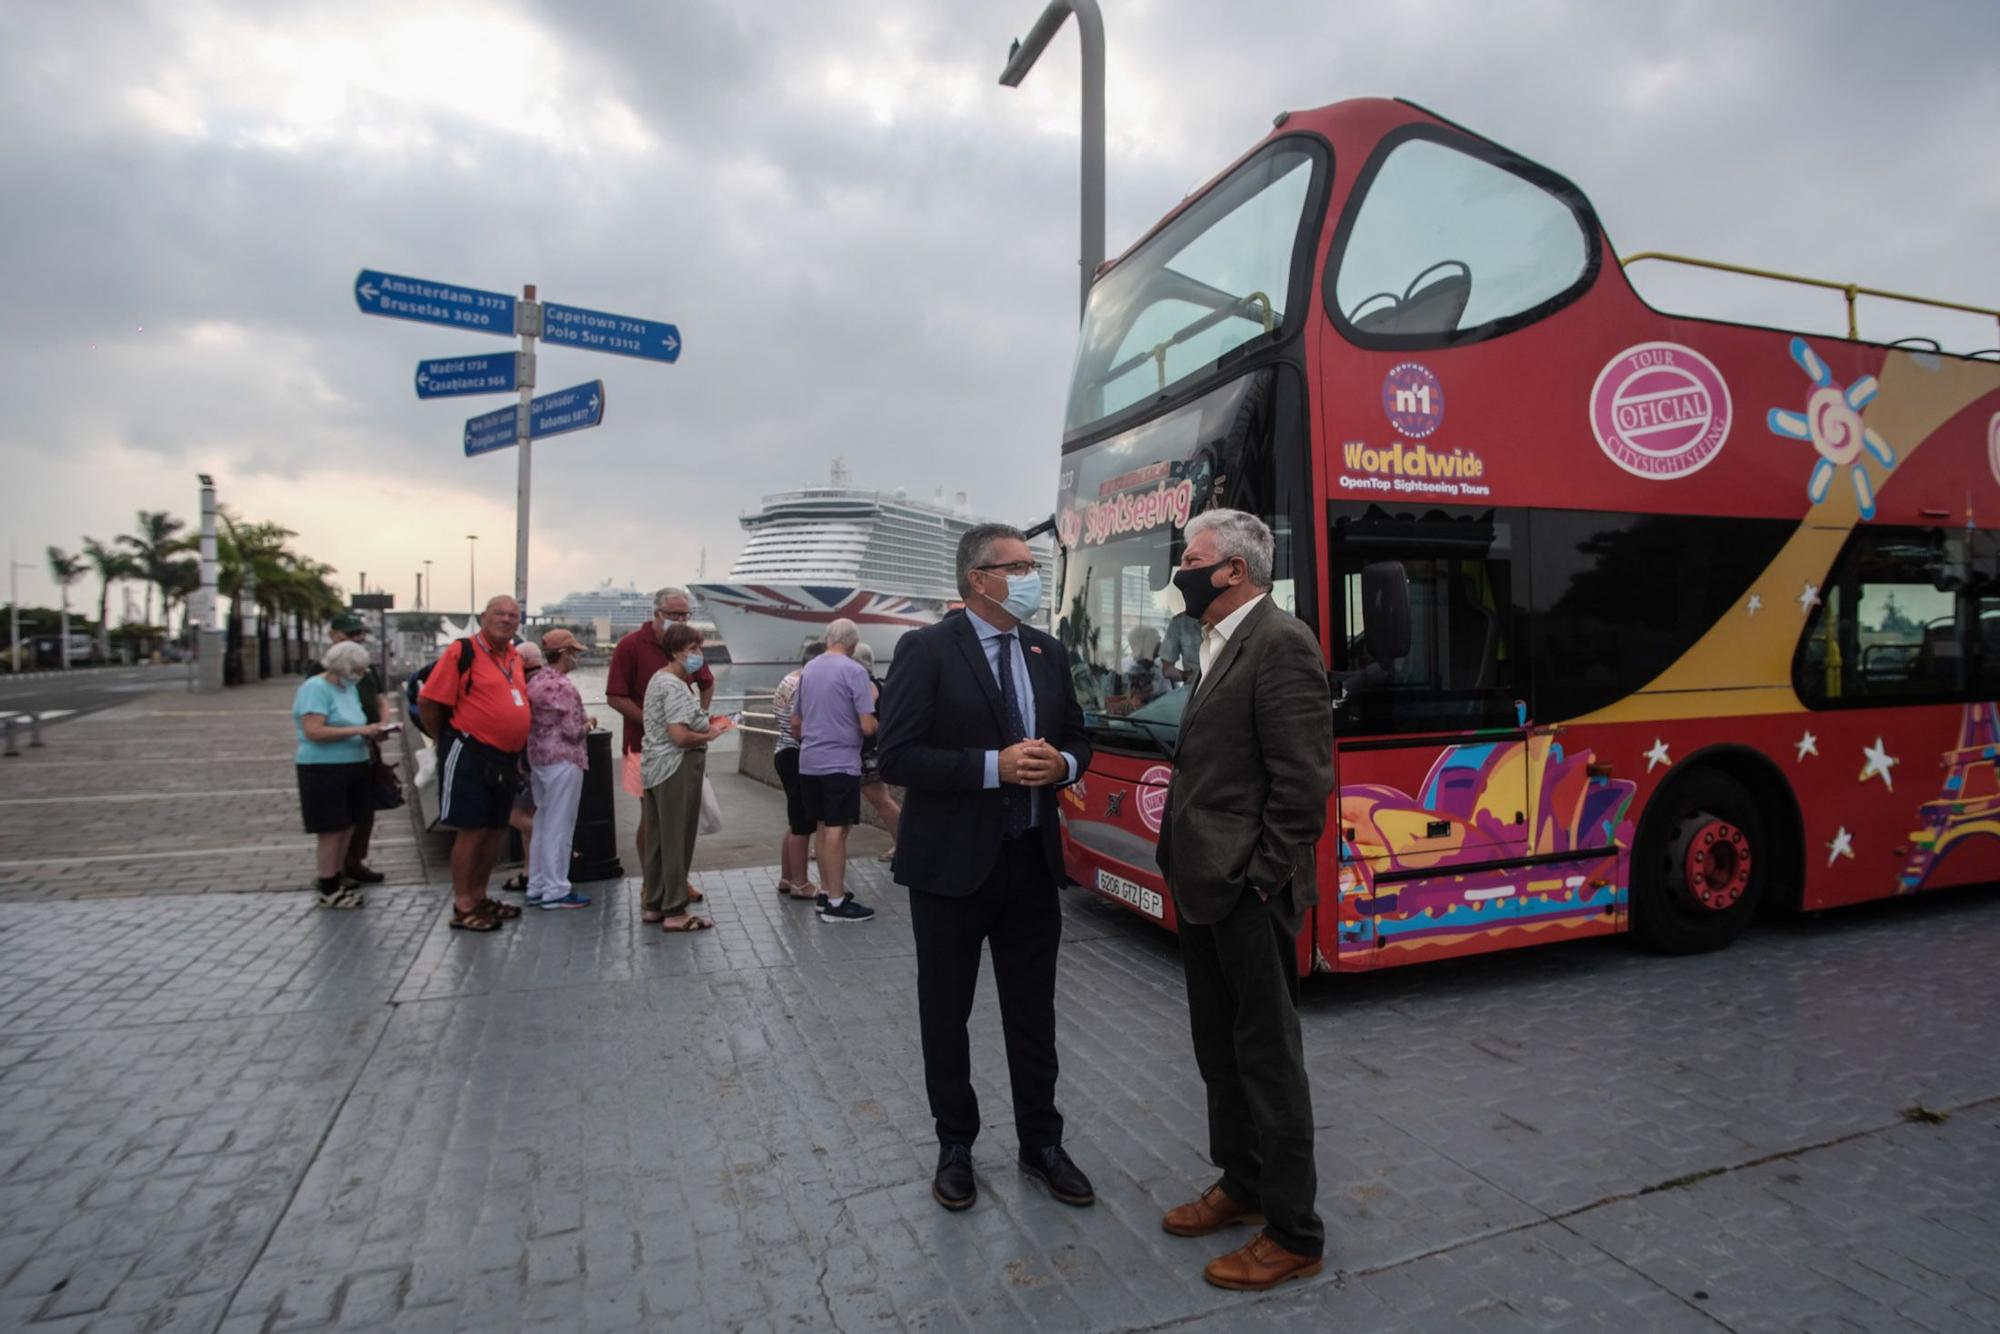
[[1897, 1230], [142, 1168], [1566, 1074], [154, 961]]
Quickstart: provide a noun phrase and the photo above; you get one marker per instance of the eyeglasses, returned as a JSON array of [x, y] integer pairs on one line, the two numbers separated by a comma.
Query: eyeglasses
[[1015, 567], [675, 616]]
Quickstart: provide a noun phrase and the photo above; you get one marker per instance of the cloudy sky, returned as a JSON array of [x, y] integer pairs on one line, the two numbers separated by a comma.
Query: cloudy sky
[[868, 244]]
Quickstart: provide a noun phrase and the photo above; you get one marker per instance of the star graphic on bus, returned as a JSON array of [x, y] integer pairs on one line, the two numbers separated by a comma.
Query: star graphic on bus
[[1807, 745], [1832, 424], [1841, 845], [1756, 604], [1880, 761], [1809, 598], [1657, 755]]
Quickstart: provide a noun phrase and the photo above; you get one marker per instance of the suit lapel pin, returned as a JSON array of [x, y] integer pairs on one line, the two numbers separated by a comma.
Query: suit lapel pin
[[1034, 648]]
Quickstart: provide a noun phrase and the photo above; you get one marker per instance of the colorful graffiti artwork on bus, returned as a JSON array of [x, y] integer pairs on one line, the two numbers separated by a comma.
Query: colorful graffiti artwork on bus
[[1465, 816], [1969, 805], [1832, 424]]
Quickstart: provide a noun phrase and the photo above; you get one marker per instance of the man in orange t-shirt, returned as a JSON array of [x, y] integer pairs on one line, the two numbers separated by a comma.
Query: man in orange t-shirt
[[475, 702]]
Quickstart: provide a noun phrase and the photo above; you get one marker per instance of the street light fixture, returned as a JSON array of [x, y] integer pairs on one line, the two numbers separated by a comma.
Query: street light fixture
[[424, 603], [1021, 58]]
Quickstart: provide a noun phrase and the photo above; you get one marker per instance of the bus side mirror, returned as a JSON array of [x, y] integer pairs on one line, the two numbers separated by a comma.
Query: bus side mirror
[[1385, 610]]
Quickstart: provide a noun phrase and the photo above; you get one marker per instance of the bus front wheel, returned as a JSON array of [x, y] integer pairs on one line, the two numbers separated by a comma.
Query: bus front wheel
[[1700, 867]]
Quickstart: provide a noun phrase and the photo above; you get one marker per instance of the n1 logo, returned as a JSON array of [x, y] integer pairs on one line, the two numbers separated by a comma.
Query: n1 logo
[[1413, 400]]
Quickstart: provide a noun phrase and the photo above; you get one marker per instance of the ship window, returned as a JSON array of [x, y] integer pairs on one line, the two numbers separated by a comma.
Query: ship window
[[1448, 245]]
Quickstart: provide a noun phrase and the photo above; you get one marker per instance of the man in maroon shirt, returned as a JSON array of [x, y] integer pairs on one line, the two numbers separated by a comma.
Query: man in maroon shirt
[[633, 664]]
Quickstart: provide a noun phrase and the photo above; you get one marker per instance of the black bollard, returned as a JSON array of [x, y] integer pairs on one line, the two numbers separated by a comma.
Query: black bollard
[[593, 853]]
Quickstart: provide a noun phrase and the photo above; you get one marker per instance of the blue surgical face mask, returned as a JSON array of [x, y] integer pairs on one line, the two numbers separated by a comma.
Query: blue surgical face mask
[[692, 663], [1024, 595]]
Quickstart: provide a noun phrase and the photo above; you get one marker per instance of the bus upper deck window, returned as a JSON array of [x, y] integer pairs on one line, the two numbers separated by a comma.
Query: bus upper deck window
[[1446, 246]]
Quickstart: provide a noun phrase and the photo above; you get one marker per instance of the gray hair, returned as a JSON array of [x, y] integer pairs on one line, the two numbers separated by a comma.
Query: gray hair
[[670, 591], [344, 657], [864, 655], [1238, 534], [842, 633], [976, 544], [499, 598], [531, 654]]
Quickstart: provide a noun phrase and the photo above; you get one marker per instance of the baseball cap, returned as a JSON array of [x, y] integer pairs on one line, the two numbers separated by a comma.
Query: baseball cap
[[348, 624], [560, 641]]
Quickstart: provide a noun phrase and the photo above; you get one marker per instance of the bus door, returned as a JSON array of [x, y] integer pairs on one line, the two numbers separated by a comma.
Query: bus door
[[1435, 757]]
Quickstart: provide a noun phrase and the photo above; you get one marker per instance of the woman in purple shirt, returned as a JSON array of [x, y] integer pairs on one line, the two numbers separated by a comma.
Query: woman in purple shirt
[[556, 761]]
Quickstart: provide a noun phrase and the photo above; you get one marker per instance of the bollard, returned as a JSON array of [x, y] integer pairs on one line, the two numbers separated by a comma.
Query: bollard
[[12, 750], [34, 731], [593, 853]]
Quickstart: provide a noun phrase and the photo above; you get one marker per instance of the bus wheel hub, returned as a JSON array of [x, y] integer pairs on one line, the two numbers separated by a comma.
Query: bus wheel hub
[[1718, 864]]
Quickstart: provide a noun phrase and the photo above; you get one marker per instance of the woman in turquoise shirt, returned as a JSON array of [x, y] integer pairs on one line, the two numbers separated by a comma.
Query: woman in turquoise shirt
[[336, 779]]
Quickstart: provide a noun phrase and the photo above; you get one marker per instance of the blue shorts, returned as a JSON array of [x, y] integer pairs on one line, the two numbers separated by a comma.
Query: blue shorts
[[476, 784]]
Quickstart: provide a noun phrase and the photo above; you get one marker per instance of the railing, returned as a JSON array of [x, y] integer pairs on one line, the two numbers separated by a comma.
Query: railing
[[1851, 290]]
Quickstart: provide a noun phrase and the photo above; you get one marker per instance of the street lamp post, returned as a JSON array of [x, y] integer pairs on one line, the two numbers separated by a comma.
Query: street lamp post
[[429, 591], [14, 568], [471, 573], [1021, 58]]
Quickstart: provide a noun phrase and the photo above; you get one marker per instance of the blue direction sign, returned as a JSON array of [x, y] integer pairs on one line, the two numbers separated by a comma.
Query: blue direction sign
[[433, 303], [573, 409], [599, 332], [450, 376]]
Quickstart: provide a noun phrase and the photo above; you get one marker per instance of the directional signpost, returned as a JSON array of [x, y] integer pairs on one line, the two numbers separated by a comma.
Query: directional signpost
[[531, 419], [403, 298], [566, 410], [599, 332], [493, 373]]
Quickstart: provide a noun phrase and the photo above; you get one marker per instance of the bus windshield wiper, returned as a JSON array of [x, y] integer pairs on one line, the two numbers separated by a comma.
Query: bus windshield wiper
[[1159, 736]]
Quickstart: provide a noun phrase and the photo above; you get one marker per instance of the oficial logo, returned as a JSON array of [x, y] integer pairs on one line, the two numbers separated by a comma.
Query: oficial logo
[[1153, 795], [1660, 410], [1413, 399]]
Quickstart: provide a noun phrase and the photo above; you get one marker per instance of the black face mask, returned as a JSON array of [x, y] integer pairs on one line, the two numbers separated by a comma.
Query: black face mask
[[1196, 590]]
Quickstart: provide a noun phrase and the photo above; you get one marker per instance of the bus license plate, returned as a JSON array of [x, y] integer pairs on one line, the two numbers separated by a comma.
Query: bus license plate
[[1145, 900]]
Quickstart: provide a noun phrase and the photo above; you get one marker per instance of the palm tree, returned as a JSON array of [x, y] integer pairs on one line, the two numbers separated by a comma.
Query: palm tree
[[180, 580], [65, 569], [154, 546], [111, 565]]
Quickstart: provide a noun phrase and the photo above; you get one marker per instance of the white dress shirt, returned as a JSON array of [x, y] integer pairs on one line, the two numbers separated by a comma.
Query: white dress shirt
[[1213, 637], [1024, 692]]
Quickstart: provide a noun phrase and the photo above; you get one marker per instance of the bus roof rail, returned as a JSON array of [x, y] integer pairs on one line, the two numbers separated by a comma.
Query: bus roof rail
[[1850, 290]]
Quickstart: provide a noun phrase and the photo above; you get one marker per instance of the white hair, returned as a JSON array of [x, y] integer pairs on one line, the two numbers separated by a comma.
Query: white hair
[[842, 633], [864, 655], [1238, 534], [670, 591], [531, 654], [344, 657]]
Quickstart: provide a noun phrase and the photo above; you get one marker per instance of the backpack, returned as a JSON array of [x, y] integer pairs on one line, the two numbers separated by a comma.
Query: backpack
[[413, 687]]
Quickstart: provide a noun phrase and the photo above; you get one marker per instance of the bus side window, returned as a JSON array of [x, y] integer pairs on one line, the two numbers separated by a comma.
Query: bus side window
[[1890, 626]]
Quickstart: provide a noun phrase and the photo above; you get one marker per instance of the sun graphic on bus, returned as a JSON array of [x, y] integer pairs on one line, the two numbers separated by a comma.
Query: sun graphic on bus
[[1832, 422]]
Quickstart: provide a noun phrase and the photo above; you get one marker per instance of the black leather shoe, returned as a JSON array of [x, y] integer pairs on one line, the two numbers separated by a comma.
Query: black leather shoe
[[1053, 1168], [364, 875], [953, 1186]]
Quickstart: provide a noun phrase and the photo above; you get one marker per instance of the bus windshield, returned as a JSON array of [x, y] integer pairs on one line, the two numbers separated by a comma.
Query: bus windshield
[[1124, 506], [1213, 279]]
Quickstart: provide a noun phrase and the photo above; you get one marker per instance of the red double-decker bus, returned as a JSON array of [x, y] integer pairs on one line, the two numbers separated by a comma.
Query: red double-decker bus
[[1634, 620]]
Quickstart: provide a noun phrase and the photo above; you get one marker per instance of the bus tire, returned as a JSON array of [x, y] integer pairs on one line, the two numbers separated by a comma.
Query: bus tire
[[1700, 866]]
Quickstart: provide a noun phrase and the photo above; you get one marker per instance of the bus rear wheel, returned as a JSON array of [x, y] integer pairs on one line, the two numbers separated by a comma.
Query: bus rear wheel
[[1700, 866]]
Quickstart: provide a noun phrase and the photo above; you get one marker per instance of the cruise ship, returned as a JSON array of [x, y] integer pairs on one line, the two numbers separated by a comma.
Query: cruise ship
[[880, 559]]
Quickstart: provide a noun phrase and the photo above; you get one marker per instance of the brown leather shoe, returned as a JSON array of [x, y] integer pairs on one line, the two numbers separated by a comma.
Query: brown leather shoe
[[1211, 1213], [1261, 1264]]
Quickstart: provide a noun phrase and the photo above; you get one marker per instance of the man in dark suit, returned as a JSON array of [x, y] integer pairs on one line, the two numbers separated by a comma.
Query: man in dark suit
[[1247, 803], [980, 724]]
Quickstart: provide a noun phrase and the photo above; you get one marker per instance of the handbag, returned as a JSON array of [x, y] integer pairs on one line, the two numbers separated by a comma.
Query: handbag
[[711, 809], [388, 784]]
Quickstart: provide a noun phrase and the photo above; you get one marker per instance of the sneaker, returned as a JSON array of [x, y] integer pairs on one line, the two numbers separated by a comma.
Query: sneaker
[[569, 900], [850, 910], [819, 902]]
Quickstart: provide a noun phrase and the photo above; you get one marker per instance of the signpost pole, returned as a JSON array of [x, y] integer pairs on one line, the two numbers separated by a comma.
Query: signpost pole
[[524, 443]]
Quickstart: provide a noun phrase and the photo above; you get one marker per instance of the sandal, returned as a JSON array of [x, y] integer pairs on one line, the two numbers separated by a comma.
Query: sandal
[[476, 920], [690, 924], [696, 896], [652, 916], [505, 912], [804, 890], [342, 898], [518, 885]]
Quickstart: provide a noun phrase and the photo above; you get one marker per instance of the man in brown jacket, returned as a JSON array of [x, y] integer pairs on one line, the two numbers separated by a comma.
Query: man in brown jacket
[[1252, 774]]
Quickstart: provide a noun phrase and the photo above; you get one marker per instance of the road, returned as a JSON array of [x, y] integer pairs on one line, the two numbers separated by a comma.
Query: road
[[59, 698]]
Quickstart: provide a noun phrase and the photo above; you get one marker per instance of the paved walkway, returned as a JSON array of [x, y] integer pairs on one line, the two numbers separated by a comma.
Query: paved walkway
[[235, 1112]]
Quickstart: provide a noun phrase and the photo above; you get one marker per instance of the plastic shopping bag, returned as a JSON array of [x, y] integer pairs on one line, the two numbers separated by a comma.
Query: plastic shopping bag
[[711, 809]]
